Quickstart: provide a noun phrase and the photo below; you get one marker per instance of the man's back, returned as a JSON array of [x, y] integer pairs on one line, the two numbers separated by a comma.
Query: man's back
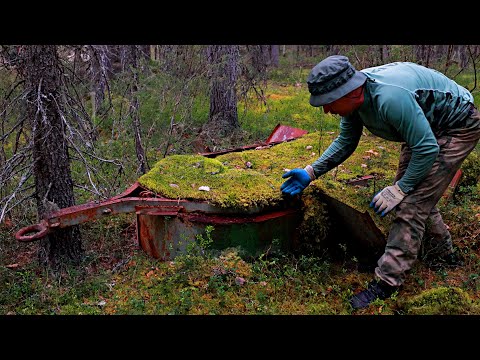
[[442, 100]]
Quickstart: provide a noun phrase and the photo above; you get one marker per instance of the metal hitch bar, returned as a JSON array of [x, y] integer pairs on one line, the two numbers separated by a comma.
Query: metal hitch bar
[[134, 199]]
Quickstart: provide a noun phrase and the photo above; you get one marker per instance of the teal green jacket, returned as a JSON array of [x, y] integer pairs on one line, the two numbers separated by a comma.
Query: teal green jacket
[[404, 102]]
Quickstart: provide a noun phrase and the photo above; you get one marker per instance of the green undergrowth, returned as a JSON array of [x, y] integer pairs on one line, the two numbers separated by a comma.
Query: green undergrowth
[[284, 103], [205, 282], [227, 284]]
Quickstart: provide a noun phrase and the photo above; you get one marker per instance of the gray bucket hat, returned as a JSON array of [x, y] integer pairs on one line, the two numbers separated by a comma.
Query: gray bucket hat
[[332, 78]]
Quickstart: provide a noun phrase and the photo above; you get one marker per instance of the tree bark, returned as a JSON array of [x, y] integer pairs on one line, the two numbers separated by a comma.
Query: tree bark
[[100, 69], [462, 49], [274, 55], [223, 62], [133, 59], [384, 52], [53, 181]]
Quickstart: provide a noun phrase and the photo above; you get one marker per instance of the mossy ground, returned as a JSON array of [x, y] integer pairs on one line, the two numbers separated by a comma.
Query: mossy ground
[[441, 301]]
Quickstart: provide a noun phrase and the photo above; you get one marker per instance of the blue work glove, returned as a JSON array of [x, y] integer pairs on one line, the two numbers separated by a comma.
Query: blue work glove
[[386, 200], [299, 180]]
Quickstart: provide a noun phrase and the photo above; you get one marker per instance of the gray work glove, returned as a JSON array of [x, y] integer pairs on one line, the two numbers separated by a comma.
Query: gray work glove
[[386, 200]]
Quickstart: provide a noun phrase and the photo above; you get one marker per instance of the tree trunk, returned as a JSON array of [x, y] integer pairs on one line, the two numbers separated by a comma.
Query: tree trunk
[[462, 49], [53, 181], [133, 58], [100, 69], [384, 53], [3, 155], [274, 55], [419, 53], [223, 62], [154, 52]]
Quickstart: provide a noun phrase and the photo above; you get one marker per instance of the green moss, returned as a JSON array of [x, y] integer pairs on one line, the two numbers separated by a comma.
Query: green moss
[[181, 176], [441, 301]]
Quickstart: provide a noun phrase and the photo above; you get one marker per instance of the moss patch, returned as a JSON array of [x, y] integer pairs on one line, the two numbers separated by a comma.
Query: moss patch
[[441, 301], [183, 176]]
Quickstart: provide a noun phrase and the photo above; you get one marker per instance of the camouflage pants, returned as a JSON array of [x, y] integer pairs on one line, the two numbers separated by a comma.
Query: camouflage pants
[[417, 219]]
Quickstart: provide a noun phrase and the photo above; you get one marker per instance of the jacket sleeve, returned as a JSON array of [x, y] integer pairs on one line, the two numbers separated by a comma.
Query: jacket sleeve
[[342, 147], [400, 109]]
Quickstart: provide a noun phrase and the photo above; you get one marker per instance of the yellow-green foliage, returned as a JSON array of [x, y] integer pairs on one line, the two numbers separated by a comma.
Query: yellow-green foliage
[[253, 178], [442, 301]]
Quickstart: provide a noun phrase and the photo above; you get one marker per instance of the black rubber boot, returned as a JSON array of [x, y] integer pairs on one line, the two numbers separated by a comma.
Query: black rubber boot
[[376, 289]]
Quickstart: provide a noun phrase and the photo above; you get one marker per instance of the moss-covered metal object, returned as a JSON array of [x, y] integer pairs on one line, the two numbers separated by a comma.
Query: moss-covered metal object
[[249, 181], [253, 178]]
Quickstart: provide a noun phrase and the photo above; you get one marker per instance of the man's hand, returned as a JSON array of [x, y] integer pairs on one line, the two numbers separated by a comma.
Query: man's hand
[[299, 180], [384, 201]]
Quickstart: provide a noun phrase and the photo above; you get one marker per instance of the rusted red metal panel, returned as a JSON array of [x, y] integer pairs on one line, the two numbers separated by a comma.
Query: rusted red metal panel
[[164, 237], [280, 133], [223, 220], [283, 133], [453, 185]]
